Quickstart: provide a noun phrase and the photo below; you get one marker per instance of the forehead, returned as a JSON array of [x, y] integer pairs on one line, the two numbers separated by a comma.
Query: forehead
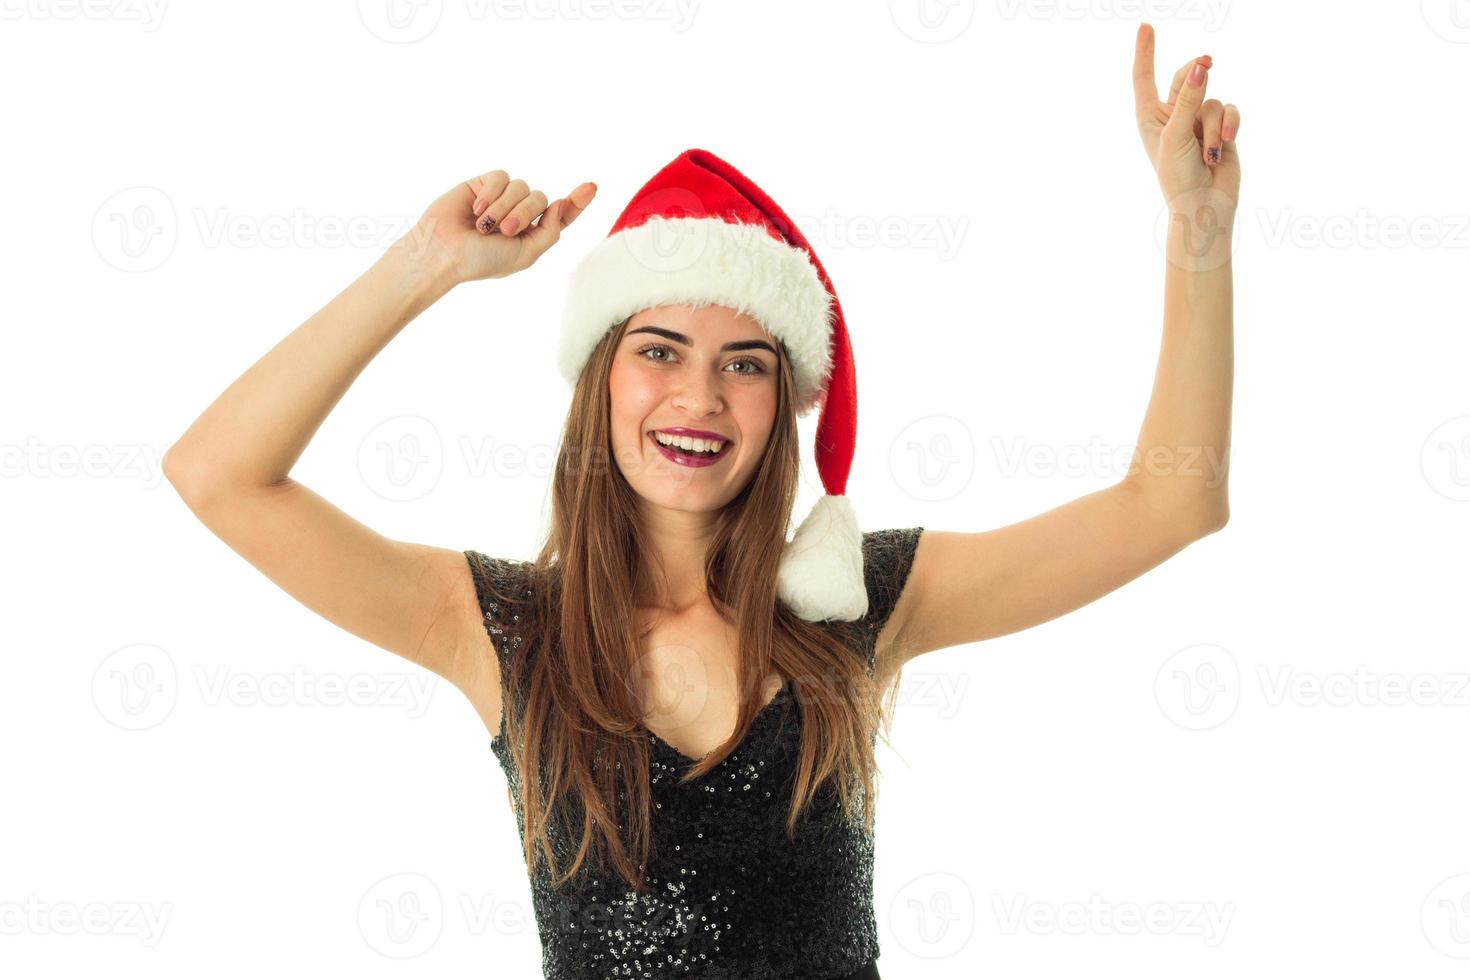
[[713, 324]]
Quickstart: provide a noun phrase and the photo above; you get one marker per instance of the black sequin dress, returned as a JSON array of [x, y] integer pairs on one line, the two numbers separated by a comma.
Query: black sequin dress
[[732, 896]]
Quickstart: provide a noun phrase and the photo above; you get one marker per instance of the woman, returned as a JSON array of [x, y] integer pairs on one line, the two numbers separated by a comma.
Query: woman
[[684, 704]]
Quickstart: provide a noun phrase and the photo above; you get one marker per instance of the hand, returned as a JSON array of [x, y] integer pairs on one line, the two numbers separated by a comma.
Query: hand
[[1189, 141], [487, 227]]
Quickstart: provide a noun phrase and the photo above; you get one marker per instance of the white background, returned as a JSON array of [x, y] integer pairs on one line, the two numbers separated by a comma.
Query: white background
[[1219, 746]]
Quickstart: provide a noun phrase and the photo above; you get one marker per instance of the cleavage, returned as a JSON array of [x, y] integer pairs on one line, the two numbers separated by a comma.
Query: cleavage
[[688, 678]]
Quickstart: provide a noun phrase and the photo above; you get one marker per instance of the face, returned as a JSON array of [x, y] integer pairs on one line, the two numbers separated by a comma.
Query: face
[[707, 373]]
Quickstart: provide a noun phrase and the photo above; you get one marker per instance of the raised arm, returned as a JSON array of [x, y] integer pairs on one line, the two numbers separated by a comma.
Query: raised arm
[[967, 587], [232, 466]]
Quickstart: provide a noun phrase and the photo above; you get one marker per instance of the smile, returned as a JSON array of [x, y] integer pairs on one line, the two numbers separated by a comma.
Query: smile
[[687, 457]]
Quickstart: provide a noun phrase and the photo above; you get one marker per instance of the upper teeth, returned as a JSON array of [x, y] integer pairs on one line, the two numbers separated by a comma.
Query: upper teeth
[[684, 442]]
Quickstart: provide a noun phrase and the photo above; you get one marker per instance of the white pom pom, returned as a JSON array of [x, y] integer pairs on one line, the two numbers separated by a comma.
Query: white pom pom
[[821, 574]]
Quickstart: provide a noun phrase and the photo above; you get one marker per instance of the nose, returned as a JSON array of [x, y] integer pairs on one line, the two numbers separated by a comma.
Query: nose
[[698, 396]]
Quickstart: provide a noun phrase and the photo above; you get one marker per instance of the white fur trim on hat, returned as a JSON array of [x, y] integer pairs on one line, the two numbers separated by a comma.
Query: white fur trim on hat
[[701, 262], [821, 571]]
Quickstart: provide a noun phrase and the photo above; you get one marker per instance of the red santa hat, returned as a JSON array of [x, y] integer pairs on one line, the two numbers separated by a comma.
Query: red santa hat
[[702, 233]]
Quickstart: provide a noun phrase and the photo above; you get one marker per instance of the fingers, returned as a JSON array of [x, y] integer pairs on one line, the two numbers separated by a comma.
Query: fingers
[[487, 188], [1179, 75], [1231, 123], [1145, 89], [520, 217], [514, 192], [562, 212], [576, 202], [1191, 96], [1212, 116]]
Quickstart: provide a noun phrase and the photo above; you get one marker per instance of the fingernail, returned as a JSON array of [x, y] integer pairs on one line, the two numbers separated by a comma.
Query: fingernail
[[486, 224], [480, 206], [1196, 74], [509, 226], [1214, 152]]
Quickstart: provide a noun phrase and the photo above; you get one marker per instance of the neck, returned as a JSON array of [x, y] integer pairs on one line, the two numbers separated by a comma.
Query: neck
[[680, 540]]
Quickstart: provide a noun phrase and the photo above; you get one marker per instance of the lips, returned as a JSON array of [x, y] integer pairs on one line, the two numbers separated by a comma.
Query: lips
[[679, 430], [674, 454]]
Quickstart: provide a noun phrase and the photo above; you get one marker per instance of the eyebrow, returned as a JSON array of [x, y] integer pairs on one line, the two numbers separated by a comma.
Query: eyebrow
[[679, 338]]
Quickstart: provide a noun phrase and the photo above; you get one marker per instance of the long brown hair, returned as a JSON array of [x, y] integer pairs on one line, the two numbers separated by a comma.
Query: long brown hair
[[578, 739]]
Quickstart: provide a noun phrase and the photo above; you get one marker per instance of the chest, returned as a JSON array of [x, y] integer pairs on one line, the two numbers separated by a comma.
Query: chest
[[687, 679]]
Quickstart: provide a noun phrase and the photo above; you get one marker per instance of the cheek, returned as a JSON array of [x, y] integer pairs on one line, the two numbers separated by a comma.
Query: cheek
[[633, 396]]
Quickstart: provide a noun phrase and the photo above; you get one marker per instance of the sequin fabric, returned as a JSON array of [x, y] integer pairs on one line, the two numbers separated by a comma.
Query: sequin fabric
[[732, 897]]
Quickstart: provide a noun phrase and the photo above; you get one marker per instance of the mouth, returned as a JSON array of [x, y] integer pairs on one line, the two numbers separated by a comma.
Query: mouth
[[689, 457]]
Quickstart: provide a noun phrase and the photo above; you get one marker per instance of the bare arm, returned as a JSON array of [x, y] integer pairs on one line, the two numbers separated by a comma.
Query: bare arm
[[232, 466], [967, 587]]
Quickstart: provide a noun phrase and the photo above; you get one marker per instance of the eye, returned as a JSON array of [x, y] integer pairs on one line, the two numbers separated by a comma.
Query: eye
[[754, 365], [652, 347]]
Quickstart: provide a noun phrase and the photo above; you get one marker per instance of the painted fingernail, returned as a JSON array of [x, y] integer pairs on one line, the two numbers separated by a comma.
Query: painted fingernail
[[509, 225], [486, 224], [1214, 154], [1196, 74], [480, 206]]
